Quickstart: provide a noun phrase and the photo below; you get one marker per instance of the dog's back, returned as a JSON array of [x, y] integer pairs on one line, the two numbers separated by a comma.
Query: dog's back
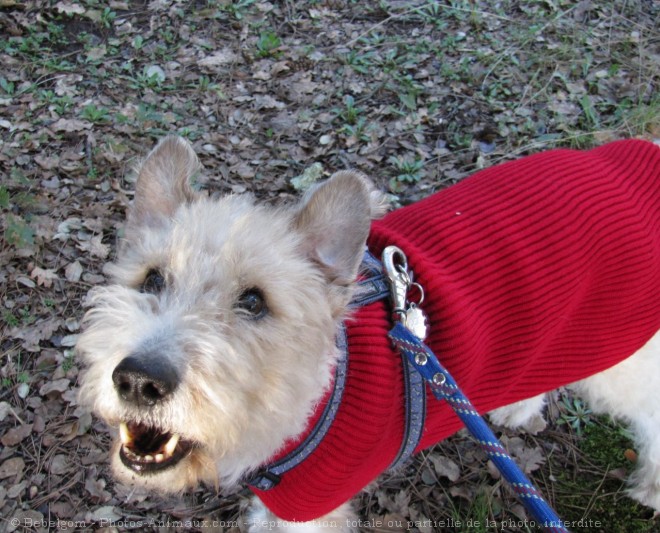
[[534, 278]]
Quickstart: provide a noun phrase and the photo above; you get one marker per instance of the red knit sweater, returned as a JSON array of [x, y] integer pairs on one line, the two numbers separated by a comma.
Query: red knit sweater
[[537, 273]]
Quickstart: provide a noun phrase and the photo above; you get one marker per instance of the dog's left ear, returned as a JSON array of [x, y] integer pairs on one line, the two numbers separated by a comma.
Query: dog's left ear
[[335, 218], [164, 182]]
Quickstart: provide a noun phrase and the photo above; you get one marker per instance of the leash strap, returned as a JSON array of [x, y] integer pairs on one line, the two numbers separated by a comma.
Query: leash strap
[[443, 386]]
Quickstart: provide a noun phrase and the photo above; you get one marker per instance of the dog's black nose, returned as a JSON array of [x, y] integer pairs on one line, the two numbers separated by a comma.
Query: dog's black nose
[[144, 382]]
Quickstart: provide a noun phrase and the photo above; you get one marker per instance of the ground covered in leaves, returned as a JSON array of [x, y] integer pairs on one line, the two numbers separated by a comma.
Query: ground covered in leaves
[[416, 94]]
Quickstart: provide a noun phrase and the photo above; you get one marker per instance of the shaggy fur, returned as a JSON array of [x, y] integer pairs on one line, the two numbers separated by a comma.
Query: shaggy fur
[[246, 384]]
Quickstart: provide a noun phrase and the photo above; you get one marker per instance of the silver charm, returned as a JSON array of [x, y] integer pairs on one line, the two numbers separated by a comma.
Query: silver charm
[[416, 321]]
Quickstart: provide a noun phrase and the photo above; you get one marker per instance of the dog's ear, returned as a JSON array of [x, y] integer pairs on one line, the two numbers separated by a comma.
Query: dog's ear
[[163, 182], [334, 219]]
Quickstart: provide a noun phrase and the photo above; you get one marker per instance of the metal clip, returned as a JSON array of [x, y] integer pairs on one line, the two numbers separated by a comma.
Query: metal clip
[[396, 269], [401, 280]]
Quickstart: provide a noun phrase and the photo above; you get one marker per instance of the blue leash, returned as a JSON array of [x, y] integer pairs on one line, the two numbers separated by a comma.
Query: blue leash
[[444, 387]]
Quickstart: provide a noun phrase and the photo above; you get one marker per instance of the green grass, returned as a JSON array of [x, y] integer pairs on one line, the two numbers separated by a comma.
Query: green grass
[[4, 197], [95, 114], [474, 518], [268, 44], [409, 170], [18, 232]]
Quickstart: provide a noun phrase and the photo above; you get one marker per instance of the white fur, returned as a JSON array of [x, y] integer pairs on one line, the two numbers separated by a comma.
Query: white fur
[[232, 367], [521, 414], [629, 392], [246, 386]]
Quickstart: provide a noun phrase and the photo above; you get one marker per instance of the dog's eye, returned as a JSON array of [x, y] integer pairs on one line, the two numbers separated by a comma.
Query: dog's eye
[[153, 283], [252, 302]]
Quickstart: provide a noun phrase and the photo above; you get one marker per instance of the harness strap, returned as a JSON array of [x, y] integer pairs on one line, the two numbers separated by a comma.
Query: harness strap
[[270, 476], [376, 287], [415, 413], [372, 284], [371, 287]]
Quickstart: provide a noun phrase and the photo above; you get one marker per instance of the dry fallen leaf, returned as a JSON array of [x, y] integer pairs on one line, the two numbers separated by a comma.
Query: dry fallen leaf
[[47, 162], [26, 281], [71, 125], [73, 271], [59, 465], [12, 468], [630, 455], [218, 59], [44, 277], [95, 247], [59, 385], [105, 514], [69, 8], [16, 434], [33, 334], [96, 489], [529, 458], [4, 410], [445, 467]]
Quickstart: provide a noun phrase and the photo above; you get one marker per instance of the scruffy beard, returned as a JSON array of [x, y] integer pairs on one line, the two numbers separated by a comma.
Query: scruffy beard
[[218, 425]]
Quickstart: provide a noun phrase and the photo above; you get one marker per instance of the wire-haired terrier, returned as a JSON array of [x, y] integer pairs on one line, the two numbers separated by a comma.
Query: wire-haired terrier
[[239, 342]]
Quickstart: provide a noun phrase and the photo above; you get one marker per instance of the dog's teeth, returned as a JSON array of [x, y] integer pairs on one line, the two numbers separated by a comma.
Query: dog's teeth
[[171, 445], [129, 452], [148, 458], [159, 458], [124, 434]]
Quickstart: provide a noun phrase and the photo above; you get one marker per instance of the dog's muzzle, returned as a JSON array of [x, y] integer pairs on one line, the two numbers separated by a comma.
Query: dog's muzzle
[[143, 383]]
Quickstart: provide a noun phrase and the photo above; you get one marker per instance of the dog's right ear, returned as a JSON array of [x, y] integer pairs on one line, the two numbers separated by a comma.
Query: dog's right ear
[[163, 182]]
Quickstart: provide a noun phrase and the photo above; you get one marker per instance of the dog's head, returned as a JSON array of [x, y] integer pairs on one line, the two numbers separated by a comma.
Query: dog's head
[[215, 339]]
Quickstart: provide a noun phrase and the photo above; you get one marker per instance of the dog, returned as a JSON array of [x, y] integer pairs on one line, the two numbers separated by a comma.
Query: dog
[[216, 350]]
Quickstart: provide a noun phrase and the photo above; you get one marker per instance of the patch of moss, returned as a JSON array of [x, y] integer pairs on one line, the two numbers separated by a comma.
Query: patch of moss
[[594, 499], [605, 443]]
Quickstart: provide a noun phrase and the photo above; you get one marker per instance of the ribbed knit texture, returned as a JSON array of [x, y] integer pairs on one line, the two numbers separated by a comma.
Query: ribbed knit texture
[[537, 273]]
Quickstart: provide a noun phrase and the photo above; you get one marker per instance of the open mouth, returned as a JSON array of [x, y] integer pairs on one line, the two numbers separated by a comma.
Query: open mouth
[[146, 449]]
